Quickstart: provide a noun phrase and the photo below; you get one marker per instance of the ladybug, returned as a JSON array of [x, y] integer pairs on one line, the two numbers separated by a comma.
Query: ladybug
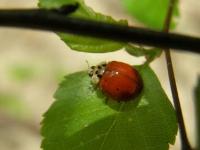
[[118, 80]]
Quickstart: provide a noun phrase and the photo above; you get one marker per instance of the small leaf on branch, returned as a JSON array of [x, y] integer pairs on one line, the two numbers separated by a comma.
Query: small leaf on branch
[[83, 43], [150, 53]]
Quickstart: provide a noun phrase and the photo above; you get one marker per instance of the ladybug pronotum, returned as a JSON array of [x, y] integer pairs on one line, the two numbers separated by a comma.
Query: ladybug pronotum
[[118, 80]]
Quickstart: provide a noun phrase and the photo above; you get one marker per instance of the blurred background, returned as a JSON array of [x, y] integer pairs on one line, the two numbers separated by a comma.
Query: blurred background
[[32, 63]]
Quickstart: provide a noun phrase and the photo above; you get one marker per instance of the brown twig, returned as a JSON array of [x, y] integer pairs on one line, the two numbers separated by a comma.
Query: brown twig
[[185, 145]]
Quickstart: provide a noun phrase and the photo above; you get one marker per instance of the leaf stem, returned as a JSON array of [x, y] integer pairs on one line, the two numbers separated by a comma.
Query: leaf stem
[[185, 145], [197, 110], [57, 21]]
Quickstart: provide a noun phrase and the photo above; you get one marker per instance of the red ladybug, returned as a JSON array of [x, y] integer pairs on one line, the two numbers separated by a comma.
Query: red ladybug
[[117, 80]]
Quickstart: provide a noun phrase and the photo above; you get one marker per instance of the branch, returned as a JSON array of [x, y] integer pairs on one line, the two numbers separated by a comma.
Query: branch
[[184, 140], [58, 21], [197, 110]]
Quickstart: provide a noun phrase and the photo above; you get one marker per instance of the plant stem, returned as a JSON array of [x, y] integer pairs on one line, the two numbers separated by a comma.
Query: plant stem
[[197, 106], [185, 145], [57, 21]]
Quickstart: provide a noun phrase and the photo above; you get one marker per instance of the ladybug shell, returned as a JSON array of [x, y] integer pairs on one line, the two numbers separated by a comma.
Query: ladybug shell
[[120, 81]]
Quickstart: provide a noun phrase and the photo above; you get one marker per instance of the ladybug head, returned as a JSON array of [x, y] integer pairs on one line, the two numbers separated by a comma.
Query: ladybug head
[[96, 72]]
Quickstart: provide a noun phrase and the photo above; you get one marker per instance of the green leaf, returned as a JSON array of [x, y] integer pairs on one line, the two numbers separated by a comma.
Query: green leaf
[[80, 119], [151, 13], [197, 104], [83, 43], [150, 54]]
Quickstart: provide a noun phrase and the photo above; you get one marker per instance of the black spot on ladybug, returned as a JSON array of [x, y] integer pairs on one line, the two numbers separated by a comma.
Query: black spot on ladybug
[[99, 67], [103, 65], [90, 74], [97, 72], [99, 75], [92, 67]]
